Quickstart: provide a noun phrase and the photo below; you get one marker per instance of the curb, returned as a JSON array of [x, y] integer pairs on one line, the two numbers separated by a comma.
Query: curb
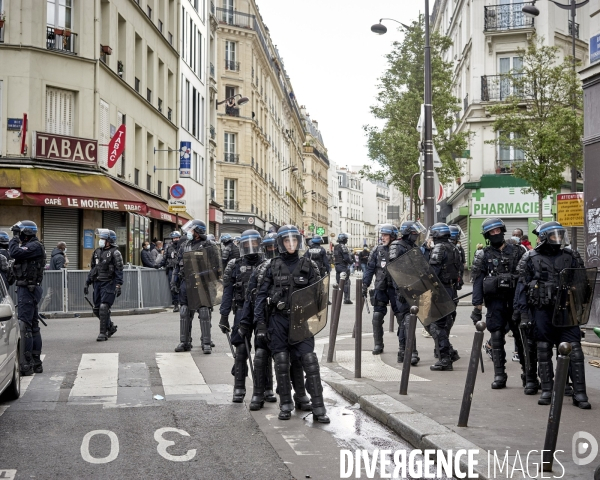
[[591, 349], [115, 313], [417, 429]]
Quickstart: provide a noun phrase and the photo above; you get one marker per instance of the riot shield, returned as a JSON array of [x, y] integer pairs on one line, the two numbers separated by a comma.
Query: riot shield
[[420, 286], [574, 297], [203, 271], [308, 312]]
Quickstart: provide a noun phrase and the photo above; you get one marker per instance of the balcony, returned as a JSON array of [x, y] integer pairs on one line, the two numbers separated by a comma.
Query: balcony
[[498, 88], [382, 196], [500, 18], [231, 205], [59, 39], [232, 66], [571, 29], [231, 157], [232, 111], [322, 219], [235, 18]]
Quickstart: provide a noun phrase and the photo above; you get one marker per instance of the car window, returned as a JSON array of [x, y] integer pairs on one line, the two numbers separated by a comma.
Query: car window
[[3, 292]]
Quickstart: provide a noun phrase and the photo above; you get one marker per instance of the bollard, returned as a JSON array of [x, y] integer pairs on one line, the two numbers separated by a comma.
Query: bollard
[[410, 346], [558, 391], [336, 318], [465, 408], [358, 329], [392, 317], [333, 304]]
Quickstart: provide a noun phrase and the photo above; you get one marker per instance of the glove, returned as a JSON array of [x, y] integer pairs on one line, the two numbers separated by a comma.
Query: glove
[[15, 229], [118, 291], [525, 320], [261, 331], [476, 315], [86, 289], [516, 316], [364, 291], [224, 324], [174, 288], [243, 330]]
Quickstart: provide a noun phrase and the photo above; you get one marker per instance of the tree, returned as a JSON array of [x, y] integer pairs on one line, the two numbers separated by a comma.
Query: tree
[[395, 147], [541, 117]]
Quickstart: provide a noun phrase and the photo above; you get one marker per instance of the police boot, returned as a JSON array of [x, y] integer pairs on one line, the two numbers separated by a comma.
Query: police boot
[[204, 315], [444, 364], [37, 351], [499, 359], [310, 364], [401, 351], [260, 374], [37, 364], [175, 307], [546, 372], [269, 395], [185, 329], [284, 386], [240, 368], [103, 316], [401, 338], [378, 318], [27, 365], [454, 356], [111, 329], [580, 398], [301, 400], [532, 385]]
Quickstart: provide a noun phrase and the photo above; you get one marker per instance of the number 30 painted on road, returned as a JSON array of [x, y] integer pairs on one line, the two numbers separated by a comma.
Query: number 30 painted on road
[[161, 448]]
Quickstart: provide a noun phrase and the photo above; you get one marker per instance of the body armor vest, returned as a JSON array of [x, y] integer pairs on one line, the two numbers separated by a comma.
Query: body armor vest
[[338, 254], [104, 264], [500, 270], [381, 258], [31, 271], [543, 288], [316, 256], [285, 282], [398, 248], [171, 254], [450, 271], [244, 270]]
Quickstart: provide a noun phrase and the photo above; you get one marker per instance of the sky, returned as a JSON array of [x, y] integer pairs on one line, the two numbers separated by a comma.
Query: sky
[[334, 62]]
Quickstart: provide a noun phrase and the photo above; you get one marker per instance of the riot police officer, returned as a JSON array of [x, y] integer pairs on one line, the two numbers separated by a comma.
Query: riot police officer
[[410, 232], [455, 236], [494, 277], [195, 231], [229, 249], [283, 276], [383, 294], [170, 260], [30, 260], [540, 275], [107, 276], [318, 255], [445, 261], [235, 284], [4, 261], [342, 260]]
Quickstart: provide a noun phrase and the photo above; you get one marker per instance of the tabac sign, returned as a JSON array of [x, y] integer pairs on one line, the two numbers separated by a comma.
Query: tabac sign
[[507, 202], [61, 148]]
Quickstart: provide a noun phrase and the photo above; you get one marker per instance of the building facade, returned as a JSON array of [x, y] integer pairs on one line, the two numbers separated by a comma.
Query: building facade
[[351, 207], [376, 204], [486, 37], [70, 78], [259, 164], [333, 211]]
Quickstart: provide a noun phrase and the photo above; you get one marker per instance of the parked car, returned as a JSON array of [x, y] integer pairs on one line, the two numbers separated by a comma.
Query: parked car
[[10, 345]]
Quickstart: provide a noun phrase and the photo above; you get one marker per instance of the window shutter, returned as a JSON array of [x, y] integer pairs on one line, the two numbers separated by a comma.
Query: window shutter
[[104, 135], [59, 111]]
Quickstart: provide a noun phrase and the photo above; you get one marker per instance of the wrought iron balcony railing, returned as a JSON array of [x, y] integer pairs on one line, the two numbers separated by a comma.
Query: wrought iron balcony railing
[[61, 39], [231, 157], [232, 65], [235, 18], [506, 17], [232, 205], [571, 29], [498, 88]]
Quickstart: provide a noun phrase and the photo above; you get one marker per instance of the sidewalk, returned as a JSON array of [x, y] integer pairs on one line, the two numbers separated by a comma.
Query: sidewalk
[[500, 421]]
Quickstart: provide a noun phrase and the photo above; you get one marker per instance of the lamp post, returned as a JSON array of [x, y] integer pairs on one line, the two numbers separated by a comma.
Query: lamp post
[[532, 11], [428, 193], [242, 101]]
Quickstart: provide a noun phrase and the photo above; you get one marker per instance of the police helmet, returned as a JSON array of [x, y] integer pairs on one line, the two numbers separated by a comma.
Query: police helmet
[[26, 227], [316, 240], [106, 234], [440, 230], [269, 245], [289, 234], [197, 226], [456, 233], [342, 238], [389, 229], [210, 237], [226, 238], [4, 237], [237, 240], [490, 224], [250, 242], [409, 227], [175, 234], [536, 224], [553, 233]]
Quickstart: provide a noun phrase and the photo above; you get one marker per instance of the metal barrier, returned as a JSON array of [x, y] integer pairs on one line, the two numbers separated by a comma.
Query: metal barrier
[[62, 290]]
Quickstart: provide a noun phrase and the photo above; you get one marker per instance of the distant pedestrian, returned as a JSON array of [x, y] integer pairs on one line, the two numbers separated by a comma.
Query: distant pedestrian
[[147, 260], [156, 252], [363, 258], [526, 243], [57, 258]]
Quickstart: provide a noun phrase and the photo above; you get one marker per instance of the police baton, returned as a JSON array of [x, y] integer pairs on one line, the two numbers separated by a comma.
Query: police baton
[[230, 345], [463, 296], [91, 305], [249, 356], [41, 318]]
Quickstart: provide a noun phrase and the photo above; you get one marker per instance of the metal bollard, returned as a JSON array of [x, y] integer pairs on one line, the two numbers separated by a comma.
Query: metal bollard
[[465, 408], [392, 317], [558, 391], [336, 318], [333, 304], [410, 346], [358, 329]]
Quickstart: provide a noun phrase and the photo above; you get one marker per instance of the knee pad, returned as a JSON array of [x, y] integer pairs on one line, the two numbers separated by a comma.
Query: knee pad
[[240, 353], [576, 352], [260, 358], [544, 350], [184, 312], [497, 339], [310, 363], [204, 314], [282, 362], [104, 310]]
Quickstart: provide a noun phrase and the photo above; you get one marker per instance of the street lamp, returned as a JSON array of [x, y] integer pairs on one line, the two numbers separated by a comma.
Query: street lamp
[[532, 11], [240, 102], [428, 193], [294, 169]]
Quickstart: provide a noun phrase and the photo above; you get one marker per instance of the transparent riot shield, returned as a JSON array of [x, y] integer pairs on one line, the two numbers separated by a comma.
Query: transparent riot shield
[[203, 273], [308, 311], [574, 297], [420, 286]]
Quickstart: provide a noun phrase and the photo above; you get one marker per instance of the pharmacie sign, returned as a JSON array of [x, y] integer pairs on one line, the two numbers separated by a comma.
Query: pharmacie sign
[[507, 202], [61, 148]]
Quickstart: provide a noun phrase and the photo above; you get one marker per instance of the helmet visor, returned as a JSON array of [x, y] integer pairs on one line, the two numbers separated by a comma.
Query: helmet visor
[[270, 250], [102, 233], [289, 242], [556, 235], [249, 244]]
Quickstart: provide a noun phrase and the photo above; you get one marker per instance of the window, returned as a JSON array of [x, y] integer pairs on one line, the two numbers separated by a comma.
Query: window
[[230, 56], [136, 177], [149, 95], [160, 26], [149, 12], [59, 13], [508, 65], [149, 182], [229, 147], [137, 85], [194, 113], [160, 105], [229, 194], [59, 111], [507, 154], [159, 188]]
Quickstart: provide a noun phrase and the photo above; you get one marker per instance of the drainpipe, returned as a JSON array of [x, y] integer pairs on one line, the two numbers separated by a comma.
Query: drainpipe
[[96, 133]]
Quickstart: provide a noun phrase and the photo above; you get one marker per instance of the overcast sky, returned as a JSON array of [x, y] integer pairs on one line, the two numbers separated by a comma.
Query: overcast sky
[[334, 61]]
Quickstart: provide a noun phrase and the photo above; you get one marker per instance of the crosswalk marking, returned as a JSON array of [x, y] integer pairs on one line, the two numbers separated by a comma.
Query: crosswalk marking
[[300, 444], [133, 388], [97, 378], [373, 367], [180, 374]]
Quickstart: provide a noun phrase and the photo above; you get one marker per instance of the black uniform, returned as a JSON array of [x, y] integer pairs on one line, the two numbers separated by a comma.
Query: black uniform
[[30, 261], [495, 275], [107, 276], [342, 260], [170, 260], [229, 251], [539, 278], [318, 255]]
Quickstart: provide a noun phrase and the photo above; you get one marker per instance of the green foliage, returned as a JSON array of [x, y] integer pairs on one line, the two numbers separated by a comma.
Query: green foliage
[[540, 114], [395, 146]]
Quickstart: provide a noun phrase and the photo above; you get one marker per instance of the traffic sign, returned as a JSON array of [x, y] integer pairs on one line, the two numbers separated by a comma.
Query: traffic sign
[[177, 190], [176, 208], [320, 230], [176, 201], [437, 187]]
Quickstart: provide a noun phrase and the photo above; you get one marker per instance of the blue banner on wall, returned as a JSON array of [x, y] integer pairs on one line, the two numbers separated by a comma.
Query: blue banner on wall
[[595, 48], [88, 239], [185, 159]]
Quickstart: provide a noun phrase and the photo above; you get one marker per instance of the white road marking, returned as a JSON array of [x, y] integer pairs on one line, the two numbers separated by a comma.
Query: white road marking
[[163, 444], [114, 447], [2, 410], [25, 381], [97, 378], [373, 367], [300, 444], [180, 374], [7, 474]]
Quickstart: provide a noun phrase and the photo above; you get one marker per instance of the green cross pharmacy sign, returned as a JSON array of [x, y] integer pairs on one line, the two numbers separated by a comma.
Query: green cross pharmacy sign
[[507, 202]]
